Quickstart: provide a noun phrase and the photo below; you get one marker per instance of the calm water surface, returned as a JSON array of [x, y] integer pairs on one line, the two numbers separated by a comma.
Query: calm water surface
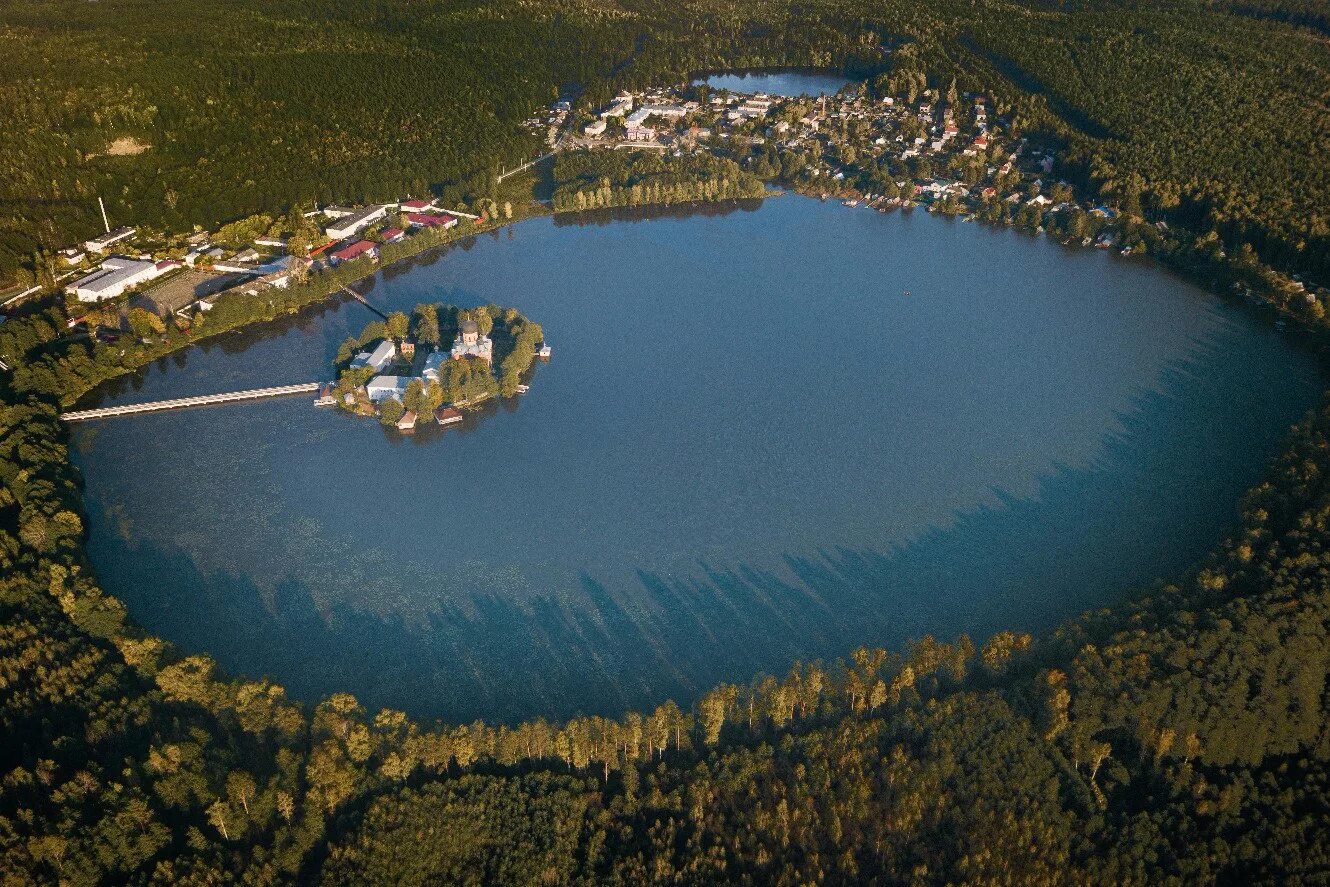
[[752, 446], [783, 83]]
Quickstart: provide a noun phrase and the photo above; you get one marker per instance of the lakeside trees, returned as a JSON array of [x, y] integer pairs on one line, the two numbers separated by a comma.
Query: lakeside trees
[[603, 179]]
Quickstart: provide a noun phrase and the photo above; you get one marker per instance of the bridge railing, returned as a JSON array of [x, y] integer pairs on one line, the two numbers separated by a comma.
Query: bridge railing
[[196, 401]]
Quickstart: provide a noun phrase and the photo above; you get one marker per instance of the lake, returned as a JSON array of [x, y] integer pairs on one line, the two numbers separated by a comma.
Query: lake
[[782, 82], [769, 432]]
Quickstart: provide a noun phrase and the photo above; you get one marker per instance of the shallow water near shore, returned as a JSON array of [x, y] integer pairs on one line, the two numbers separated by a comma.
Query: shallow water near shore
[[769, 432]]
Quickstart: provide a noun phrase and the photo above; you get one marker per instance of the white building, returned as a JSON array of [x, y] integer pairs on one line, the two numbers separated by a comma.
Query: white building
[[670, 112], [382, 388], [470, 343], [595, 127], [621, 106], [115, 275], [109, 239], [383, 354], [436, 359], [355, 222]]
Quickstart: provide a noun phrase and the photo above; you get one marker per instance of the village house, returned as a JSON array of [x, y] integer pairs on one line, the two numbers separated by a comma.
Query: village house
[[382, 355], [435, 360], [359, 249], [595, 127], [619, 107], [382, 388], [419, 206], [426, 220], [347, 225], [109, 239]]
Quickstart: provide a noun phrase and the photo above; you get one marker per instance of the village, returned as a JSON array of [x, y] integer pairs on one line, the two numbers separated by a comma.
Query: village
[[952, 153], [149, 284]]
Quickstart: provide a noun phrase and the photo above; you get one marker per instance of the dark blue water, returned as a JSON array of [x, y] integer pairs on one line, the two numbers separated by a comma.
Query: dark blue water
[[751, 447], [782, 83]]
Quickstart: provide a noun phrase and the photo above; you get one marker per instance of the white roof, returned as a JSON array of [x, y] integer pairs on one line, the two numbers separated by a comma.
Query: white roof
[[388, 383], [114, 274]]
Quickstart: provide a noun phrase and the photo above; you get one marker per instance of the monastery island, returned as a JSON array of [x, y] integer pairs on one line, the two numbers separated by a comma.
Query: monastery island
[[400, 369]]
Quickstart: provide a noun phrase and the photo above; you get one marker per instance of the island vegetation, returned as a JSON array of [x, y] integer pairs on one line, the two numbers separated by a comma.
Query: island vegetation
[[1178, 736]]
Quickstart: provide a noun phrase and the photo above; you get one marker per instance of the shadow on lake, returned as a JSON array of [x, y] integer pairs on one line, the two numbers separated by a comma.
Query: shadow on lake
[[1152, 503]]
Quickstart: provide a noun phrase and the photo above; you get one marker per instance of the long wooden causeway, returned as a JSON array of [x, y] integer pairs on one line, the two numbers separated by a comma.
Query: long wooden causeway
[[182, 402]]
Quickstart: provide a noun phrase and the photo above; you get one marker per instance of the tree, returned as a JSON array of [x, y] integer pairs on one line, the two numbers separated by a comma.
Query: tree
[[426, 319], [398, 325], [347, 350], [390, 411], [144, 323]]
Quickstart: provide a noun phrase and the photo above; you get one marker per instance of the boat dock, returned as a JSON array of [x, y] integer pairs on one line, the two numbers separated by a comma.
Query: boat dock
[[182, 402]]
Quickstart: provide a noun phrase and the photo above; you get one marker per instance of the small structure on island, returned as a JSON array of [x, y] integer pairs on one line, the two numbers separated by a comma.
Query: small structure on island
[[407, 422], [470, 343], [379, 358], [544, 351], [382, 388], [325, 398], [447, 415]]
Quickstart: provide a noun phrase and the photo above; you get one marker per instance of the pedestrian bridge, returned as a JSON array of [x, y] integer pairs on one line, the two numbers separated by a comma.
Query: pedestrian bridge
[[182, 402]]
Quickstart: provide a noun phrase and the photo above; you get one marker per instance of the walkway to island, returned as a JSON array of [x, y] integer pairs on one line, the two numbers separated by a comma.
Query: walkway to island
[[182, 402]]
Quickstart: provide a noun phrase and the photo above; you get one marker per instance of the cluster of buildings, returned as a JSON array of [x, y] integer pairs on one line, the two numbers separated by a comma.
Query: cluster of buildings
[[936, 150], [110, 267], [390, 383], [469, 344], [637, 120]]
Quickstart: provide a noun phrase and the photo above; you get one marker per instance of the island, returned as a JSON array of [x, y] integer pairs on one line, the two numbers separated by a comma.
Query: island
[[435, 363]]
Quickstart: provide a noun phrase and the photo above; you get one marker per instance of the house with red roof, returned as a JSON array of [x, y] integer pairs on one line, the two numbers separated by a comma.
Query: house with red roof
[[357, 250], [427, 220]]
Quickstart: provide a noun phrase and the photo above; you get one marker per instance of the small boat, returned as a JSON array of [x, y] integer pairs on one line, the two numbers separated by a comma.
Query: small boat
[[850, 203], [1126, 251], [523, 389]]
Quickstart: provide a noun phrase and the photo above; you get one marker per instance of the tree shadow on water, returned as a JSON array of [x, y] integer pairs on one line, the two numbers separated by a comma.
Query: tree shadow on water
[[1158, 494]]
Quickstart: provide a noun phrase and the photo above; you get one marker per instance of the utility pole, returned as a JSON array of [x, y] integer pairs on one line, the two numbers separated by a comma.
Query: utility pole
[[105, 223]]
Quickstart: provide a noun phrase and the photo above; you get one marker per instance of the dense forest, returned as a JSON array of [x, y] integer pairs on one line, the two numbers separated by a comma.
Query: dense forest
[[1180, 736]]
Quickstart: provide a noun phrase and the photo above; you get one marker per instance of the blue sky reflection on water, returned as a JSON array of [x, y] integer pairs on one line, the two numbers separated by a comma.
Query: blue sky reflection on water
[[751, 446]]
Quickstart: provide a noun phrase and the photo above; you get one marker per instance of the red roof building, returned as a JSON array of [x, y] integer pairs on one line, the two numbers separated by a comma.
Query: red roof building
[[425, 220], [392, 235], [356, 250]]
